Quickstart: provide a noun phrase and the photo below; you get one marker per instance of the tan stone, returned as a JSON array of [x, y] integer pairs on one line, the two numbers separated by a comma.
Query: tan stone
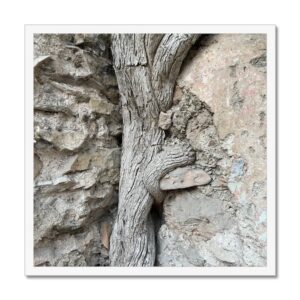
[[38, 165], [101, 106], [82, 162], [105, 234], [182, 178]]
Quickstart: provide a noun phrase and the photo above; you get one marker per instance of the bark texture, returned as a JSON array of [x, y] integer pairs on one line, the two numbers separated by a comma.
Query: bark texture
[[146, 67]]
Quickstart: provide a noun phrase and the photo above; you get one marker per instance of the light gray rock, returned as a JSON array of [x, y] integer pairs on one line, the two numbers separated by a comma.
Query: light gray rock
[[65, 211], [165, 120], [73, 250], [71, 140], [77, 158], [195, 213], [59, 184]]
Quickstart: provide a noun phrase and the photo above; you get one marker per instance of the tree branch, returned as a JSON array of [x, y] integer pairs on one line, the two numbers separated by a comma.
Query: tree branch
[[170, 158]]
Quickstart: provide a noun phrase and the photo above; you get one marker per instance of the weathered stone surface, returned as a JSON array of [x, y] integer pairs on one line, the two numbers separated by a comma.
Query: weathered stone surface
[[165, 120], [182, 178], [199, 231], [101, 106], [37, 165], [59, 184], [220, 107], [73, 249], [77, 156], [65, 133]]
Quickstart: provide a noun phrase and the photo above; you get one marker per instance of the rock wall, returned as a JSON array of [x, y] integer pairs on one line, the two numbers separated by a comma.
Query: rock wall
[[220, 107], [77, 131]]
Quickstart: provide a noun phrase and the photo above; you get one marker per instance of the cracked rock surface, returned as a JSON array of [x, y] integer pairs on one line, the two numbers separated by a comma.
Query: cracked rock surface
[[77, 127], [220, 108]]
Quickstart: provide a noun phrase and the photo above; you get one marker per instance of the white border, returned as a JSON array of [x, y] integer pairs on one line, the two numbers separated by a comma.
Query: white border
[[270, 270]]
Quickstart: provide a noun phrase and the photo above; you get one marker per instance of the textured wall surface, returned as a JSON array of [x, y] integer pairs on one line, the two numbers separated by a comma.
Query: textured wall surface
[[77, 129], [220, 107]]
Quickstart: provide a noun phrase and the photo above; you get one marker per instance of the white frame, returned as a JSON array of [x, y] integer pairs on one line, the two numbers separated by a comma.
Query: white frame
[[270, 269]]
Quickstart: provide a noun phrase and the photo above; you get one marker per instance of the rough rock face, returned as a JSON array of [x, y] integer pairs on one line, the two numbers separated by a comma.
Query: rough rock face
[[220, 108], [77, 130]]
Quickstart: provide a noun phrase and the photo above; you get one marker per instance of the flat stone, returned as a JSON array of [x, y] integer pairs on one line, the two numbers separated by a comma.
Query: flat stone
[[54, 186], [52, 98], [77, 169], [182, 178]]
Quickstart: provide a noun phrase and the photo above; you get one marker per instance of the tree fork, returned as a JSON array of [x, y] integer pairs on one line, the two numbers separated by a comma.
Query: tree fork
[[146, 66]]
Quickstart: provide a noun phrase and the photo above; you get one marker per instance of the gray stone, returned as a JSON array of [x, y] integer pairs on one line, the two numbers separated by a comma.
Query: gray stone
[[38, 165], [59, 184], [165, 120], [78, 249], [100, 105], [79, 39], [63, 211], [194, 212], [77, 157], [71, 140]]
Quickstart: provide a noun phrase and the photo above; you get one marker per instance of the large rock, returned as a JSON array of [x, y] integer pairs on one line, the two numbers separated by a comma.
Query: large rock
[[63, 211], [220, 107], [64, 132], [200, 230], [197, 214]]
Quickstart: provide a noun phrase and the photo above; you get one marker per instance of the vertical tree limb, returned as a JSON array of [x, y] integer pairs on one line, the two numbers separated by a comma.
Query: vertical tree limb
[[146, 68]]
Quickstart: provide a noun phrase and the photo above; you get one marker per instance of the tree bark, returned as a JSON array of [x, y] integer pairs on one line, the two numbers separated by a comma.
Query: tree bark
[[146, 66]]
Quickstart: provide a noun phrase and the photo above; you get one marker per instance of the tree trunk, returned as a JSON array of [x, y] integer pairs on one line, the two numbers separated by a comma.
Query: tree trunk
[[146, 66]]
